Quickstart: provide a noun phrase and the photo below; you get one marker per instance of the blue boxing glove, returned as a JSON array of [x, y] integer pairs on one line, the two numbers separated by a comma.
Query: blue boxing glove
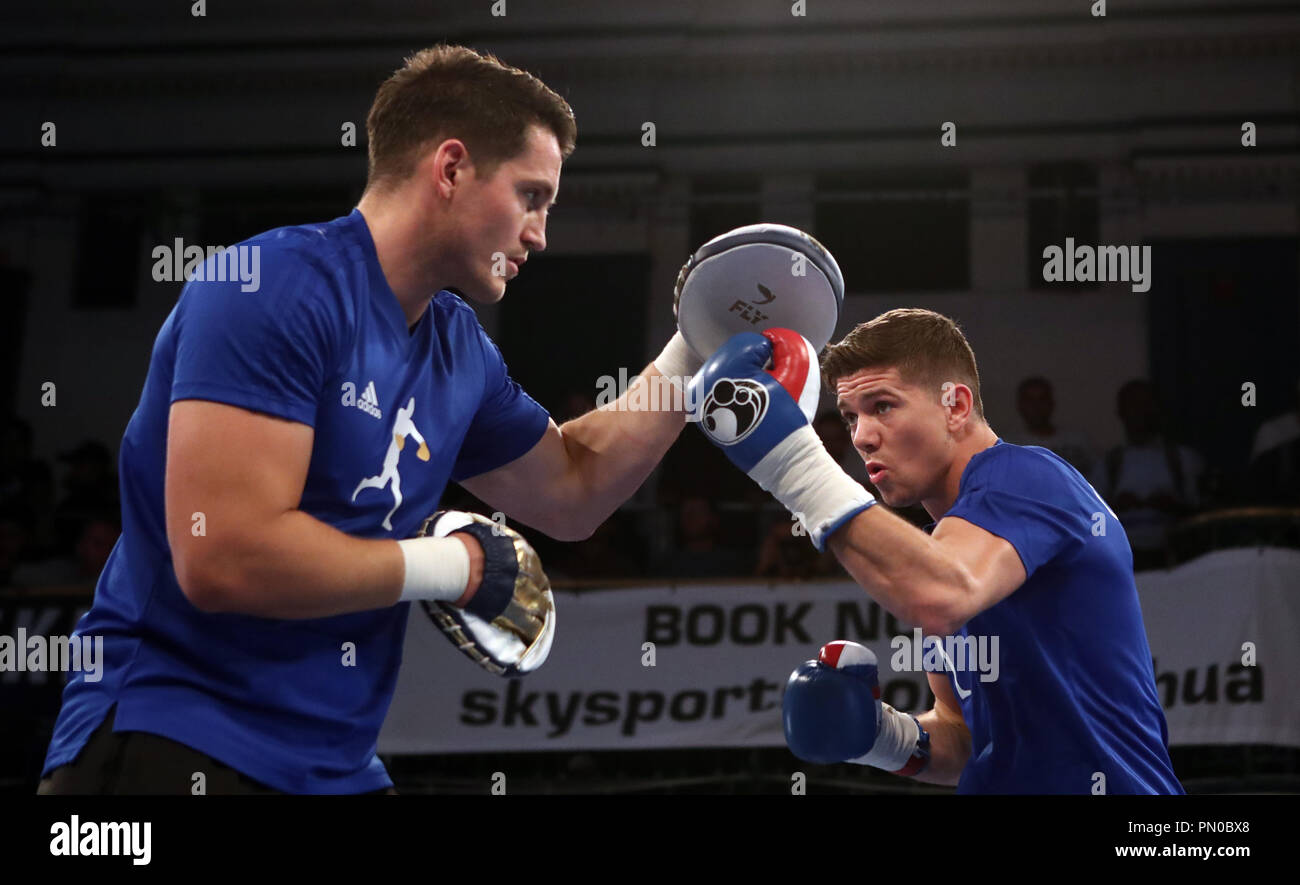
[[760, 419], [832, 712]]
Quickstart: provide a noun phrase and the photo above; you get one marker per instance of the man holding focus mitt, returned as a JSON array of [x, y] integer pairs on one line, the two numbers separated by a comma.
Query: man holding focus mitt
[[290, 443]]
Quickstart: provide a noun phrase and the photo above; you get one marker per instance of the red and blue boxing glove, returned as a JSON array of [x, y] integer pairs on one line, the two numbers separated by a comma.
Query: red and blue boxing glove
[[760, 418], [832, 712]]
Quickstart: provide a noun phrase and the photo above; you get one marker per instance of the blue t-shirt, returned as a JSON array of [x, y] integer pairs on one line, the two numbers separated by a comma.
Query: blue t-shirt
[[295, 704], [1074, 707]]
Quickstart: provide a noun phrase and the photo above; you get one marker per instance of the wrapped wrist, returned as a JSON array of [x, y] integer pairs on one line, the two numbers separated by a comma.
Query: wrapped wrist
[[436, 569], [802, 475], [902, 746], [678, 361]]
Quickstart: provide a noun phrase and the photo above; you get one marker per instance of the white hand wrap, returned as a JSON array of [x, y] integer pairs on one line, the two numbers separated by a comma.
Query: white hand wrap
[[896, 737], [436, 568], [678, 362], [803, 476]]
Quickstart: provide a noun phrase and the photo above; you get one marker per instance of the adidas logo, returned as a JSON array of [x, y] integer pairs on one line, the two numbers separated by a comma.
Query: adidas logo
[[369, 402]]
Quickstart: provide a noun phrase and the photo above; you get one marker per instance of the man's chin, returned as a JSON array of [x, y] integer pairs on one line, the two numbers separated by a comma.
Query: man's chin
[[480, 295], [894, 499]]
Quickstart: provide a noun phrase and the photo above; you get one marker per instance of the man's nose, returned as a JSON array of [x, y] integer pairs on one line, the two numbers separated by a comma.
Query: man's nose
[[535, 236], [865, 437]]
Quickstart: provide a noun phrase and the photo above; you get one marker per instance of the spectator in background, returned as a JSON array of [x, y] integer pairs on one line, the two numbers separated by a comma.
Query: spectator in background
[[788, 556], [1274, 470], [1036, 404], [14, 539], [98, 535], [1151, 481], [91, 489], [699, 552], [611, 553], [26, 484], [694, 466]]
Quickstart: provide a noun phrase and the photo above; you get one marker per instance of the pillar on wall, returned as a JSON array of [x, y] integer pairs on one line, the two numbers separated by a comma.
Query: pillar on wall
[[1119, 221], [999, 229], [669, 245], [787, 198]]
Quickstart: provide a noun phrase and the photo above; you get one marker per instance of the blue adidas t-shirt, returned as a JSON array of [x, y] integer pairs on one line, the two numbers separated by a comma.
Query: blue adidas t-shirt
[[322, 341], [1075, 698]]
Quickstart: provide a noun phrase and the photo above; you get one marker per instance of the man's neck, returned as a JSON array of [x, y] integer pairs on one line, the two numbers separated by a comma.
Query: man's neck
[[979, 439], [395, 226]]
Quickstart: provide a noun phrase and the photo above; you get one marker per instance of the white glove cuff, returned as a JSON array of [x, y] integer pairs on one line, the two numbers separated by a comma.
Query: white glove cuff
[[804, 477], [896, 738], [436, 568], [677, 361]]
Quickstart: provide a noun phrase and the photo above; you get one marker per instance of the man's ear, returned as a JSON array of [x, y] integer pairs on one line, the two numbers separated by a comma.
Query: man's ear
[[958, 398], [450, 161]]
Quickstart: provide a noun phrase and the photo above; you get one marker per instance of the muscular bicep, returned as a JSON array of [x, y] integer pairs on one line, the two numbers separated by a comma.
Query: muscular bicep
[[229, 470], [946, 704], [950, 738], [991, 564], [535, 488]]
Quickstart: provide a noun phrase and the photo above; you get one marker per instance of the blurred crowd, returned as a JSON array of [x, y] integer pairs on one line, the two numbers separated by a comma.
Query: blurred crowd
[[1154, 480], [55, 534], [698, 518]]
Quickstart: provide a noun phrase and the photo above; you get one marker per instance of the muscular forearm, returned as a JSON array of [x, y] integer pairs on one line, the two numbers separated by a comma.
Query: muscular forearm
[[296, 566], [949, 749], [614, 448], [903, 569]]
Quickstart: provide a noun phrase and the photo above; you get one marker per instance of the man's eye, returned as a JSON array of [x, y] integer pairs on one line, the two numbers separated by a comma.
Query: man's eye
[[880, 406], [848, 421]]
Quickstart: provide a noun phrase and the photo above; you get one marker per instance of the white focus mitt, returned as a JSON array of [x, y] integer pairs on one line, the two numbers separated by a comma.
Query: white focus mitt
[[754, 278]]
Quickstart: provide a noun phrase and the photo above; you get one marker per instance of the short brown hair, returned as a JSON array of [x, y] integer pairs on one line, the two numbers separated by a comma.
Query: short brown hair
[[455, 92], [926, 348]]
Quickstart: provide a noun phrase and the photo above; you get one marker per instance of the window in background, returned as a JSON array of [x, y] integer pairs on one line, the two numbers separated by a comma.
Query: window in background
[[720, 203], [904, 230], [108, 249], [229, 215], [1062, 203]]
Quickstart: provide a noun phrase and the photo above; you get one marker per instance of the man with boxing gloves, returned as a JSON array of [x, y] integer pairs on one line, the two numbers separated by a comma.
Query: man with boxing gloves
[[1023, 549], [274, 514]]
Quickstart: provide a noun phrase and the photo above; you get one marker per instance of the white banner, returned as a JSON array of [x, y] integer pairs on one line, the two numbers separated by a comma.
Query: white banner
[[705, 666], [1224, 632]]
